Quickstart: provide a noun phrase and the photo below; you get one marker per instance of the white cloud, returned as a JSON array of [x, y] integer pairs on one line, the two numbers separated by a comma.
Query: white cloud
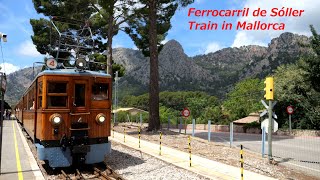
[[135, 47], [8, 68], [299, 25], [213, 47], [27, 48], [164, 41]]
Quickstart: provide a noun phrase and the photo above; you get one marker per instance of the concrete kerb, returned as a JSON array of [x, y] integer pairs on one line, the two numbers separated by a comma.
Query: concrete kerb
[[33, 163]]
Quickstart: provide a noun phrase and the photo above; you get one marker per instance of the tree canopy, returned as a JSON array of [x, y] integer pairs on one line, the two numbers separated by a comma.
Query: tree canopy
[[147, 28], [70, 16], [244, 98]]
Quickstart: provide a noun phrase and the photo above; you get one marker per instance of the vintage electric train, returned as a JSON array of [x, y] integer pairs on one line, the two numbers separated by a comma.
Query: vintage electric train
[[67, 113]]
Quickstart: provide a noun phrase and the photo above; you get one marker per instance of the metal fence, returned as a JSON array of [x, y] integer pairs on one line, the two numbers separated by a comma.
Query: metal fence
[[298, 150]]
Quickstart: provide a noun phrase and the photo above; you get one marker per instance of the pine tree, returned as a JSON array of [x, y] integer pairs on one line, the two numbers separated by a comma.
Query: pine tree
[[100, 13], [148, 28]]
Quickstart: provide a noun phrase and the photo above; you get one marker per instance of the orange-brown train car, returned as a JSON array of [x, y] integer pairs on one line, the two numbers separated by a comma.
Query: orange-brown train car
[[68, 115]]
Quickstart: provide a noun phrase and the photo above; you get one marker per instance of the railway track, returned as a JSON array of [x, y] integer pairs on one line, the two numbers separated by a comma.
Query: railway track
[[93, 172]]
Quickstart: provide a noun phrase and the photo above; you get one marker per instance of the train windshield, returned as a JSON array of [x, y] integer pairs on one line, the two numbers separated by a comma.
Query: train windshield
[[99, 91], [57, 94]]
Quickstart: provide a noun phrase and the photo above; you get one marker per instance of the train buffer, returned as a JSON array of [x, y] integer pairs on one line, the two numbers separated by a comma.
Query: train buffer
[[17, 160]]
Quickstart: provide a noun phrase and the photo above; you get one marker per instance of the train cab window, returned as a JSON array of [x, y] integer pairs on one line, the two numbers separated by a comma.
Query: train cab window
[[57, 87], [99, 91], [57, 94], [80, 94]]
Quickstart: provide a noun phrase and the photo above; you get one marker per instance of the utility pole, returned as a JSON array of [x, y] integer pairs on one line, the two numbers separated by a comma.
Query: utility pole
[[270, 130], [269, 91], [2, 91]]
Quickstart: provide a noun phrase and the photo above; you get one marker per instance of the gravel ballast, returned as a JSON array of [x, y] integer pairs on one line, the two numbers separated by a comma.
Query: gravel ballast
[[133, 164]]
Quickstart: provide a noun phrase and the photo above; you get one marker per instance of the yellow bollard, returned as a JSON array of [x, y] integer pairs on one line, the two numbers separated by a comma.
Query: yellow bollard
[[160, 143], [124, 134], [189, 138], [241, 161], [139, 135], [113, 131]]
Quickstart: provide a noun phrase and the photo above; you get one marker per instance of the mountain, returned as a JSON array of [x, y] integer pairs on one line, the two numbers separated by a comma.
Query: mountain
[[214, 73], [18, 82]]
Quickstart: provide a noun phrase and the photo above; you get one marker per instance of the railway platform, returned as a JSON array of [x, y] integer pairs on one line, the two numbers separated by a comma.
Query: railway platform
[[205, 167], [17, 160]]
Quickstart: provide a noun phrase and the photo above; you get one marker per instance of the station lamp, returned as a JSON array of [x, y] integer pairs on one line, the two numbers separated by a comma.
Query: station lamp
[[3, 37]]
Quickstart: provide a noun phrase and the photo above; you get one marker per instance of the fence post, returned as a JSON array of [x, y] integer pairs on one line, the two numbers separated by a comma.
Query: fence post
[[231, 134], [193, 126], [263, 140], [180, 125], [140, 119], [185, 126], [209, 130], [241, 161], [128, 118], [168, 122]]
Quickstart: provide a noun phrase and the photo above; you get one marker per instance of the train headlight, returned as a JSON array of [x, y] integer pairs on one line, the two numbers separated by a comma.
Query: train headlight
[[55, 119], [100, 118], [81, 63]]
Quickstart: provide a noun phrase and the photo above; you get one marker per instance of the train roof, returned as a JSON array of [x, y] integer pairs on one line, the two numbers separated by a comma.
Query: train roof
[[73, 72]]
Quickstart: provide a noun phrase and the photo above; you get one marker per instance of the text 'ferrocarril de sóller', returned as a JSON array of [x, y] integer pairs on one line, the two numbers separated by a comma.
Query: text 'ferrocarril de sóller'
[[241, 25]]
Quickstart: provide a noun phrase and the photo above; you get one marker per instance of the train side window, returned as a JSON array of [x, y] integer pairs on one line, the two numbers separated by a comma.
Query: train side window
[[57, 94], [40, 95], [99, 91], [80, 95]]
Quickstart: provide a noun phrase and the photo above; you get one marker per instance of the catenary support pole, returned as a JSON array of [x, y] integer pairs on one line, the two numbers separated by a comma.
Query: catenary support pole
[[2, 112]]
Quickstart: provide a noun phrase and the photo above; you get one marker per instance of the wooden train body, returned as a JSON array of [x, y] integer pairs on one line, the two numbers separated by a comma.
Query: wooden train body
[[68, 115]]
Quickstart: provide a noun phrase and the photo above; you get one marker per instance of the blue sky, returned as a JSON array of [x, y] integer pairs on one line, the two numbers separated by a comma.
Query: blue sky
[[19, 52]]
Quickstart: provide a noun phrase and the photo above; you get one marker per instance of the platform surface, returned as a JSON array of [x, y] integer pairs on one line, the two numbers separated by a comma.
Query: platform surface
[[17, 160], [205, 167]]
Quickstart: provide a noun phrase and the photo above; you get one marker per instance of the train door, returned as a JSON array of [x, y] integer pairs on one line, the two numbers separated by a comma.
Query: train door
[[80, 101]]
